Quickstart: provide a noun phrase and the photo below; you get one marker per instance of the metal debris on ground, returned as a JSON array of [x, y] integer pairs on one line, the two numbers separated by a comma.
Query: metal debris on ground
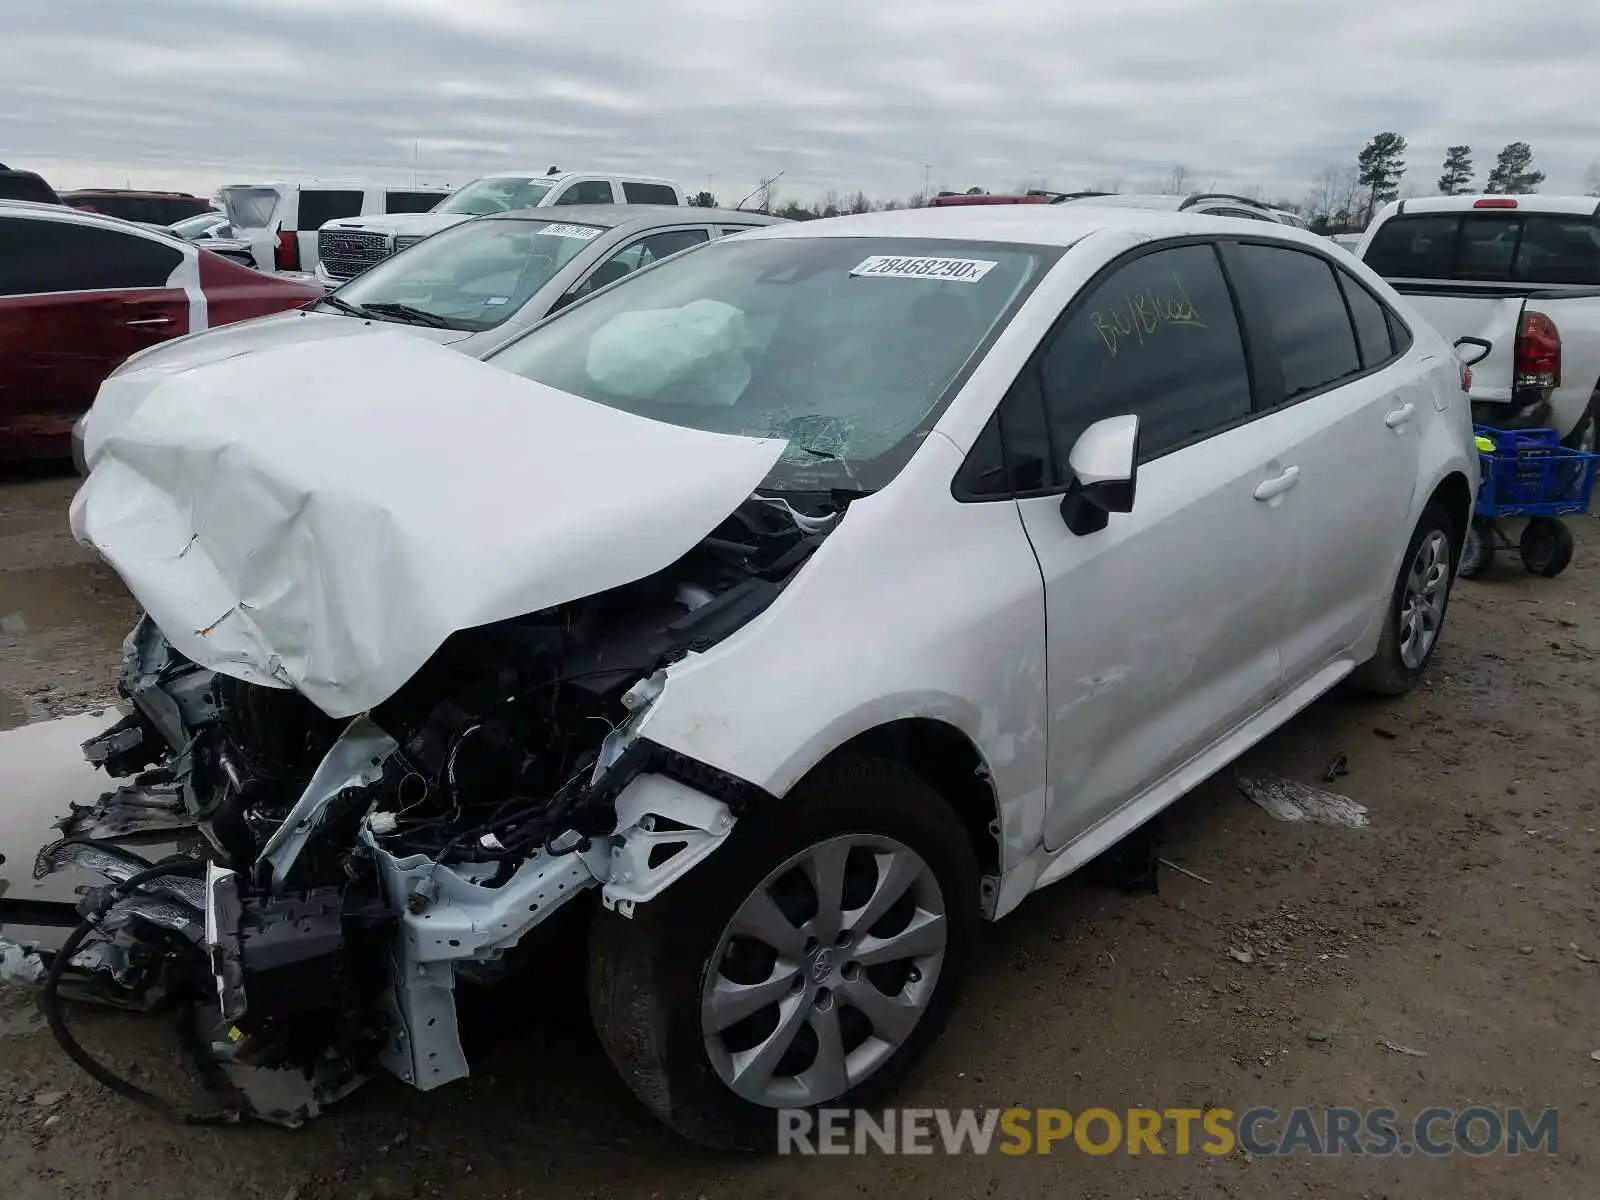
[[20, 964], [1172, 866], [1337, 767], [1388, 1045], [1290, 801]]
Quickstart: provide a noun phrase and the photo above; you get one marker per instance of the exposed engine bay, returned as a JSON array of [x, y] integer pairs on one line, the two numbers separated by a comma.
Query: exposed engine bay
[[357, 869]]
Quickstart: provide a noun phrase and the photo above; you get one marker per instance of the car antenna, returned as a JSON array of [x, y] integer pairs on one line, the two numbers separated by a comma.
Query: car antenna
[[760, 187]]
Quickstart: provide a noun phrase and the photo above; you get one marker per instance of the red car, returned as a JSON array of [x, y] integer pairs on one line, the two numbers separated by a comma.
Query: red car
[[80, 292]]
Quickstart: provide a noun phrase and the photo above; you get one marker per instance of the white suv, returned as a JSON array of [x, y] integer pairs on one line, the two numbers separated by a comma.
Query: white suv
[[796, 605], [278, 221], [350, 247]]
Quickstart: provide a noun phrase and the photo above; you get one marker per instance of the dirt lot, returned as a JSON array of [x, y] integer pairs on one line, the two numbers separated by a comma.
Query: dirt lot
[[1461, 923]]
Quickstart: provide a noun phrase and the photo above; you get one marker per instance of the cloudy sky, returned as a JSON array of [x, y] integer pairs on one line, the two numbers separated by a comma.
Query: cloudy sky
[[843, 94]]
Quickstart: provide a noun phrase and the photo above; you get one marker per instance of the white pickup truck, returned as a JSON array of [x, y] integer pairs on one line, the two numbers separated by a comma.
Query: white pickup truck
[[1519, 276]]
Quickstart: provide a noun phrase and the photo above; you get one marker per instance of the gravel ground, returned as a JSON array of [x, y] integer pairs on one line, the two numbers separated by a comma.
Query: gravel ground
[[1461, 922]]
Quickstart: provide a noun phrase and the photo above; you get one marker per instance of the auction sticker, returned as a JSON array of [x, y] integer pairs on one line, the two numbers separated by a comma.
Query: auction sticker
[[583, 233], [890, 266]]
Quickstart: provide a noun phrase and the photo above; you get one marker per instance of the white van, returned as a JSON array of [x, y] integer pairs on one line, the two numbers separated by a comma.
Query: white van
[[279, 221], [348, 247]]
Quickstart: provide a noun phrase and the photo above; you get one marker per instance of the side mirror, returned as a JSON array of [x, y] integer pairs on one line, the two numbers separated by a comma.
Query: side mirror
[[1105, 470], [1476, 343]]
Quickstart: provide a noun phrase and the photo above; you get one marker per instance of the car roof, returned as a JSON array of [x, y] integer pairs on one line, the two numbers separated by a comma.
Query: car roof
[[77, 216], [1532, 202], [611, 216], [1031, 224], [133, 192], [279, 185], [626, 176]]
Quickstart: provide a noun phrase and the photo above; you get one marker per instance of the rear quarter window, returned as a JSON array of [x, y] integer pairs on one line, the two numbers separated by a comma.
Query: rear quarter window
[[318, 207], [649, 193], [410, 202]]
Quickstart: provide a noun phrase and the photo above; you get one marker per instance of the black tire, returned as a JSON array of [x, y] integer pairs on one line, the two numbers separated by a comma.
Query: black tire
[[646, 974], [1386, 673], [1477, 549], [1546, 546]]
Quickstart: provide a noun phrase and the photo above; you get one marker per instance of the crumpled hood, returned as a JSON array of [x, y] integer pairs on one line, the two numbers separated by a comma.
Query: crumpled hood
[[126, 388], [403, 224], [324, 515]]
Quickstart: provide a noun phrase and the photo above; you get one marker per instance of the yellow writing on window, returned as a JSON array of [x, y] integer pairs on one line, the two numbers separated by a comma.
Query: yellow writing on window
[[1142, 314]]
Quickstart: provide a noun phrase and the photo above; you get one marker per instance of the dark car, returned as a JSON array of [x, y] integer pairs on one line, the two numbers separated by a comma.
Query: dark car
[[25, 185], [148, 208], [79, 293]]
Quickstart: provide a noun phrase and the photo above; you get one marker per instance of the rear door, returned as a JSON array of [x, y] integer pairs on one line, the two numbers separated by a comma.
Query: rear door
[[1351, 406], [75, 301]]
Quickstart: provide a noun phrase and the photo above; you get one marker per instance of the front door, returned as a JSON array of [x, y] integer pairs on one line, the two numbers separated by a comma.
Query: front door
[[1163, 628]]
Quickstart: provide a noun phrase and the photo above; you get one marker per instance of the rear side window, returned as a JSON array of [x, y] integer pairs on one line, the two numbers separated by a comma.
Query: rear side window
[[410, 202], [1306, 318], [649, 193], [318, 207], [1158, 338], [1371, 322], [55, 256], [587, 191]]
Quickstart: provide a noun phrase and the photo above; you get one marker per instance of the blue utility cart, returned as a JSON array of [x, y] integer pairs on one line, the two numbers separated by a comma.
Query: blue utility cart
[[1527, 473]]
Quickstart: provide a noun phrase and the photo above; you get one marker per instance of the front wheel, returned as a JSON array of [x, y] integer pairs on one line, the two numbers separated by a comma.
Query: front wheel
[[812, 963], [1415, 614], [1546, 546]]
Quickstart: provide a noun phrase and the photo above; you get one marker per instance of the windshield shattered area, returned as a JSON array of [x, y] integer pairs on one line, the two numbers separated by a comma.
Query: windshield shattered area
[[471, 277], [845, 347], [489, 196]]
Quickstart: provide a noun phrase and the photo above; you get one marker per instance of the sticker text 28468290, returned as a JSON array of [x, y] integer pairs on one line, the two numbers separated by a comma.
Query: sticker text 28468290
[[891, 266]]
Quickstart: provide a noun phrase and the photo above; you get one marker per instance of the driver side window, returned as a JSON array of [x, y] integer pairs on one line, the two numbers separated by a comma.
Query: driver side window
[[1159, 338]]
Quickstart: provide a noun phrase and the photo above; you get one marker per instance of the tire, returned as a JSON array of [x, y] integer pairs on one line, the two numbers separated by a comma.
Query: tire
[[649, 976], [1477, 549], [1546, 546], [1584, 434], [1397, 666]]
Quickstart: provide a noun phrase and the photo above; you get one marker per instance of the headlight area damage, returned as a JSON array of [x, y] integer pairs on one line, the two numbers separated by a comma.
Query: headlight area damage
[[360, 868]]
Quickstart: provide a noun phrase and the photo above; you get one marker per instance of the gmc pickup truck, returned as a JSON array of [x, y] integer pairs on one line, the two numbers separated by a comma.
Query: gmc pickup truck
[[1520, 273]]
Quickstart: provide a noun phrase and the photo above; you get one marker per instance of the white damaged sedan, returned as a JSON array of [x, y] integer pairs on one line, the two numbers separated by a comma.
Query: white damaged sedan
[[794, 607]]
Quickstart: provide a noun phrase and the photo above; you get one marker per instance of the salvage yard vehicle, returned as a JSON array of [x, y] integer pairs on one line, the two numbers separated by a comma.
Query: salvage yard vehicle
[[345, 248], [142, 208], [80, 293], [472, 288], [786, 611], [279, 220], [1520, 273]]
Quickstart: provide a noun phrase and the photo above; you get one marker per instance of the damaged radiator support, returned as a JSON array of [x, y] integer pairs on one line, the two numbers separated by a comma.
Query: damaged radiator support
[[359, 869]]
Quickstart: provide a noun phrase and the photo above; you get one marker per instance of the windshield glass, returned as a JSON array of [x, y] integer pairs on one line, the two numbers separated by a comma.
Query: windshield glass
[[475, 275], [847, 347], [485, 197], [197, 226]]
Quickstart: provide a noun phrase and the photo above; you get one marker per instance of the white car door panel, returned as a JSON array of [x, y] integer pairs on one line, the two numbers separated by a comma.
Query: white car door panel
[[1352, 425], [1164, 626]]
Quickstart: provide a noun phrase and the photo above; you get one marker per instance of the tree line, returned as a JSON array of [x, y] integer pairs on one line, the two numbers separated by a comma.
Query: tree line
[[1341, 199]]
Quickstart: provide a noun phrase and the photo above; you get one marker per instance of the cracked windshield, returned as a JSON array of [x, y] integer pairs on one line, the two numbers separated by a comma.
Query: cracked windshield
[[470, 277], [845, 347]]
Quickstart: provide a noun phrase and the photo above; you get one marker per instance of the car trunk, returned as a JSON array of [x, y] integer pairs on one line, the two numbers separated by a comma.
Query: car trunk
[[254, 214]]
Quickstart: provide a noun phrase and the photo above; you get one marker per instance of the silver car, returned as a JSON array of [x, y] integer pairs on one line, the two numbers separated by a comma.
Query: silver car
[[473, 286]]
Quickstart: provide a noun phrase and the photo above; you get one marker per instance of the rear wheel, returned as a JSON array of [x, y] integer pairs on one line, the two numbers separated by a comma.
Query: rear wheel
[[1416, 610], [1546, 546], [812, 964]]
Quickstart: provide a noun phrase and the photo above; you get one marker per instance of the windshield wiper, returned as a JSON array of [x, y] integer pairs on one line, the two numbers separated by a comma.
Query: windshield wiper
[[344, 306], [409, 313]]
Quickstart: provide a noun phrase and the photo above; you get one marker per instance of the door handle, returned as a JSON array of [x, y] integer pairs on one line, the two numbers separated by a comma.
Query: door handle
[[148, 322], [1271, 489], [1400, 415]]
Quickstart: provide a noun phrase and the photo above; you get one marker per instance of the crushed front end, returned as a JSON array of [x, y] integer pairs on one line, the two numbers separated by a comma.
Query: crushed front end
[[356, 870]]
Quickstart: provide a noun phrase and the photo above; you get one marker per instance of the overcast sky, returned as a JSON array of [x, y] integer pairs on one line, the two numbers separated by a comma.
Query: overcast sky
[[838, 94]]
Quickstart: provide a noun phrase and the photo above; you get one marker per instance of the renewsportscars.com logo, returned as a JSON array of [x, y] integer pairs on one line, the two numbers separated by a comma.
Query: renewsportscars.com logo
[[1261, 1132]]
